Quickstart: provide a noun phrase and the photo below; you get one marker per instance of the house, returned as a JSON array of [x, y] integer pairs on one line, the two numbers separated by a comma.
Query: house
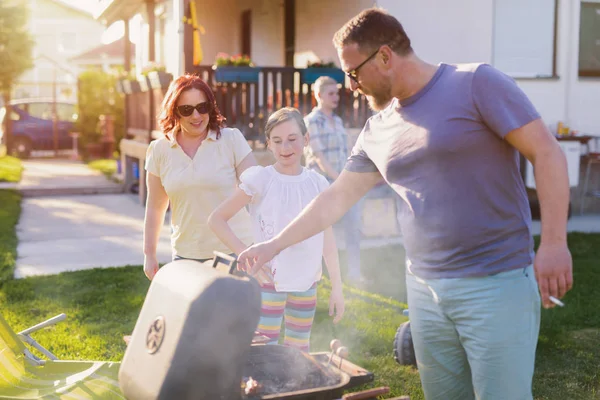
[[105, 57], [550, 47], [60, 32]]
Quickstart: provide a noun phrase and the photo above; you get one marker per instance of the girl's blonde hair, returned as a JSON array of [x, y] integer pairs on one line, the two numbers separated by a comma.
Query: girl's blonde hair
[[283, 115]]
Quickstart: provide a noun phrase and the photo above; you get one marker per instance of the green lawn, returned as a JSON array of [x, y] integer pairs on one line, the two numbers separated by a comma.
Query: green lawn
[[102, 306], [10, 169], [10, 210], [107, 166]]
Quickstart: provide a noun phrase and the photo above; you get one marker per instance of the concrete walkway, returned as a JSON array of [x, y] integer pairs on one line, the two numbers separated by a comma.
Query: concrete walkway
[[67, 233], [59, 231], [59, 177]]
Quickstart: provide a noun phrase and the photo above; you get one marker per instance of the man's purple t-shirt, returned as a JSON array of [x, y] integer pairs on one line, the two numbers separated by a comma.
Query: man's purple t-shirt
[[465, 210]]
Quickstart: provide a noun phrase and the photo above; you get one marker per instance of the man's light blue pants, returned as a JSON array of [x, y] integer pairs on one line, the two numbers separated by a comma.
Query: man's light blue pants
[[475, 338]]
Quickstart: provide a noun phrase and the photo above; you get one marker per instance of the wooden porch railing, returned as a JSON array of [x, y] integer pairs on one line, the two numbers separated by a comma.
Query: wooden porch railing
[[245, 106], [248, 105]]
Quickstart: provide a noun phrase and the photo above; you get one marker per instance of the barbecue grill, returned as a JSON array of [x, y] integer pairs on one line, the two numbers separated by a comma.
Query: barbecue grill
[[195, 339]]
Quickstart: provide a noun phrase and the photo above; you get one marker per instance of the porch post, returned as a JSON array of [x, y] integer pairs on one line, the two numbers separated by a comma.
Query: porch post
[[127, 67], [151, 30], [151, 58], [178, 15], [188, 41], [127, 49]]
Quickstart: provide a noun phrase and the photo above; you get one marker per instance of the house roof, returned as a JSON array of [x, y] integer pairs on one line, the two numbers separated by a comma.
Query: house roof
[[110, 11], [111, 50]]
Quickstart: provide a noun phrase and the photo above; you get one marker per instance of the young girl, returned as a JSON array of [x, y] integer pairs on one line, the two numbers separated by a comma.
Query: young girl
[[276, 195]]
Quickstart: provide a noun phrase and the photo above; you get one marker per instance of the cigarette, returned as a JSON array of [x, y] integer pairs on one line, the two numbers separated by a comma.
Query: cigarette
[[556, 301]]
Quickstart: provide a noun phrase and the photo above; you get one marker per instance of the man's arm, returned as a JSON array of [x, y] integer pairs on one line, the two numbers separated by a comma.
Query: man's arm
[[553, 264], [322, 212]]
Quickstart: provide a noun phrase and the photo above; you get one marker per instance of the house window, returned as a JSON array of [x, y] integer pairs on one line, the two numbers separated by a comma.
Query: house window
[[589, 39], [524, 38]]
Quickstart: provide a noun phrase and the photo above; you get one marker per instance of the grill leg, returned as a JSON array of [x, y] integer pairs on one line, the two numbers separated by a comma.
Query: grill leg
[[585, 186]]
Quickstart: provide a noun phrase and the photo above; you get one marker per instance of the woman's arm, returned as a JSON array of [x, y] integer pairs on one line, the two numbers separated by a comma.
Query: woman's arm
[[156, 207], [247, 162], [217, 221]]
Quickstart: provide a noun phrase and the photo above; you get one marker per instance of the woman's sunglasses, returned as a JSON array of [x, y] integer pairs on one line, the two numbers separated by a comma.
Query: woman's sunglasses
[[187, 110]]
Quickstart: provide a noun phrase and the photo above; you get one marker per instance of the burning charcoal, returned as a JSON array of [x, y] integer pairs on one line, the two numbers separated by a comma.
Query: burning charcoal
[[251, 387]]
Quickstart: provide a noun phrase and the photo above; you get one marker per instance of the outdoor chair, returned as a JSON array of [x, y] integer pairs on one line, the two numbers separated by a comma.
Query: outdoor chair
[[26, 376]]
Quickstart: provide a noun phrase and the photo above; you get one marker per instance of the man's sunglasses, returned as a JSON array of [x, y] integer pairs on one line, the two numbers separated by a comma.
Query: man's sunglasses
[[354, 73], [187, 110]]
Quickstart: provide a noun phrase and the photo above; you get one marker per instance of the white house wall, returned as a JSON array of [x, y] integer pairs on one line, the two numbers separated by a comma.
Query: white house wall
[[457, 31], [316, 23], [462, 31]]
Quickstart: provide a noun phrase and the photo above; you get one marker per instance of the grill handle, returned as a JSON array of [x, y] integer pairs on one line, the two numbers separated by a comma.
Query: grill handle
[[367, 394], [222, 258]]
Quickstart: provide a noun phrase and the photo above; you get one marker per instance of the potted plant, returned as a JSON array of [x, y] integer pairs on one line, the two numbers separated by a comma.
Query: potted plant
[[144, 82], [157, 74], [119, 86], [314, 71], [130, 84], [238, 69]]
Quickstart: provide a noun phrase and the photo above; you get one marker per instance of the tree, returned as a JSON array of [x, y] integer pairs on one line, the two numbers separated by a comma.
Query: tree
[[97, 96], [16, 46]]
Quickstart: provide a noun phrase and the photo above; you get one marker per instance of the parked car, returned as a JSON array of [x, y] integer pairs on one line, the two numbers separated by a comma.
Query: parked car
[[32, 125]]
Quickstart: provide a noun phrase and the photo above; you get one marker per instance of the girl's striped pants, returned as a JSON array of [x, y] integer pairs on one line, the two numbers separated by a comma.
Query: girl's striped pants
[[298, 308]]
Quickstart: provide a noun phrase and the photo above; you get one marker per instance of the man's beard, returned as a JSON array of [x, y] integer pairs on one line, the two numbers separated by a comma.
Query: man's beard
[[380, 99]]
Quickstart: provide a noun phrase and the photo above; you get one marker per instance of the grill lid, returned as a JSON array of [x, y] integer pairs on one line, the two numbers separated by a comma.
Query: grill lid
[[196, 324]]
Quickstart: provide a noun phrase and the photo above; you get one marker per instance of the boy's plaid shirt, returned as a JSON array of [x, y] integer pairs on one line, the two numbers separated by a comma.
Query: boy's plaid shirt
[[331, 141]]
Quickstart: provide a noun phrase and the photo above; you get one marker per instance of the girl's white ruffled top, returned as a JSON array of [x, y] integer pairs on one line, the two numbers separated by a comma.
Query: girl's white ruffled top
[[277, 199]]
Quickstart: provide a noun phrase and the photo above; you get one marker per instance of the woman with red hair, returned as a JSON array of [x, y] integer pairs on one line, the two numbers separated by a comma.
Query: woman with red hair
[[194, 167]]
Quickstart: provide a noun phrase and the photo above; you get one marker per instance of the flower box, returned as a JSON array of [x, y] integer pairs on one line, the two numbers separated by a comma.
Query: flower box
[[119, 86], [130, 86], [237, 74], [159, 79], [144, 83], [310, 75]]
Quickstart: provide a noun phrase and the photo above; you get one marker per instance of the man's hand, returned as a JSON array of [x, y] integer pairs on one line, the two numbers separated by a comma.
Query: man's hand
[[254, 257], [554, 271]]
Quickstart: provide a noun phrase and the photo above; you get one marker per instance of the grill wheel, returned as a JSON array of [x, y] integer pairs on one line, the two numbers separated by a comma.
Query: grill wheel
[[404, 351]]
